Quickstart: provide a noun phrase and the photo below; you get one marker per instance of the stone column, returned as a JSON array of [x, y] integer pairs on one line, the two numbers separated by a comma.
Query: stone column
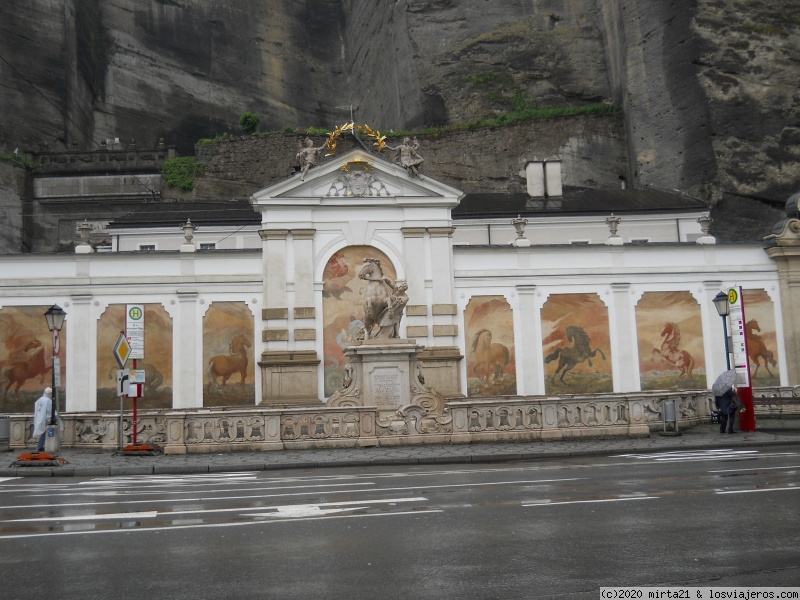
[[302, 322], [529, 343], [714, 338], [445, 323], [788, 261], [187, 354], [81, 364], [288, 374], [623, 339]]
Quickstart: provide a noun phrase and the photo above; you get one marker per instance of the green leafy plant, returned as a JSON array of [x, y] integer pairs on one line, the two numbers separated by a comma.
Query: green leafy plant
[[249, 122], [18, 160], [181, 171]]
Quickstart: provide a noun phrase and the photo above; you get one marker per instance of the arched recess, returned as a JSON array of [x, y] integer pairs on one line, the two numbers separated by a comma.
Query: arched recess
[[343, 305], [762, 337], [26, 357], [489, 336], [669, 328], [157, 362], [228, 360], [576, 344]]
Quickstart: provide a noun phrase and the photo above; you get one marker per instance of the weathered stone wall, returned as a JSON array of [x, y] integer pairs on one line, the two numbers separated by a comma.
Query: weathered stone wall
[[12, 190], [489, 159]]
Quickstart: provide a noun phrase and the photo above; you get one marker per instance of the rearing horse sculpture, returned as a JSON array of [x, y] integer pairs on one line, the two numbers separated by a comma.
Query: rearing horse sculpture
[[376, 295], [22, 370]]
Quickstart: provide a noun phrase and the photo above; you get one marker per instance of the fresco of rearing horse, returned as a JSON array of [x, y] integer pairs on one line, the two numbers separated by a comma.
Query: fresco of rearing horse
[[492, 357], [32, 366], [570, 357], [757, 349], [376, 295], [225, 365], [670, 352]]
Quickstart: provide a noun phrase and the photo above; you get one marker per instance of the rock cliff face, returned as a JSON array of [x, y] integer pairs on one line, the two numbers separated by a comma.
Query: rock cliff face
[[708, 87]]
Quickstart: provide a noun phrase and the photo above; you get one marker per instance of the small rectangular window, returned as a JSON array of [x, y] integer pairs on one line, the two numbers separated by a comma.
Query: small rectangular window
[[208, 246], [147, 247], [579, 242], [640, 240]]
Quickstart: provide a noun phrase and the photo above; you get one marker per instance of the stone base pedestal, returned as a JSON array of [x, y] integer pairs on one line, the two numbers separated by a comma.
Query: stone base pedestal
[[439, 367], [289, 378], [385, 373]]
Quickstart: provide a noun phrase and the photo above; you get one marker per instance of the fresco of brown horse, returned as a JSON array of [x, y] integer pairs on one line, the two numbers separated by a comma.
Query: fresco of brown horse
[[670, 352], [492, 357], [756, 348], [32, 366], [225, 365]]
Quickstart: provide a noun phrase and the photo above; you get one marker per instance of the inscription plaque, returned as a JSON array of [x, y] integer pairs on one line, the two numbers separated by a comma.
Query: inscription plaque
[[386, 388]]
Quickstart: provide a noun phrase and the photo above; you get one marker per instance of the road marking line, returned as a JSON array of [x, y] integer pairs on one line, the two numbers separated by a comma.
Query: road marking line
[[373, 490], [551, 503], [216, 525], [151, 514], [780, 489], [754, 469]]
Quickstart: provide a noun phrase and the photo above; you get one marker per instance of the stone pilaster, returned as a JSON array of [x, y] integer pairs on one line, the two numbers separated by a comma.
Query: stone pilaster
[[622, 325], [187, 347], [82, 363]]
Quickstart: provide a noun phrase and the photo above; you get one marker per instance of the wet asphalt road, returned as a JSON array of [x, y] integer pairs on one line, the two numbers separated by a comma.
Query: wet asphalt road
[[555, 528]]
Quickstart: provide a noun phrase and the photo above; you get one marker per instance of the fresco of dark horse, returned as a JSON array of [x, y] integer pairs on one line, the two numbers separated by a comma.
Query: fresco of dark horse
[[491, 357], [34, 365], [570, 357], [225, 365], [757, 349]]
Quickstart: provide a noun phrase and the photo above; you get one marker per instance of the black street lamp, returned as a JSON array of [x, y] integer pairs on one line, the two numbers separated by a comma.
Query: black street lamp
[[55, 316], [723, 310]]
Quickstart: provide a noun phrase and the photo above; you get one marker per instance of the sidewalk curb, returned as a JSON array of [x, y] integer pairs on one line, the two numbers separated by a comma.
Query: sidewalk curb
[[473, 456]]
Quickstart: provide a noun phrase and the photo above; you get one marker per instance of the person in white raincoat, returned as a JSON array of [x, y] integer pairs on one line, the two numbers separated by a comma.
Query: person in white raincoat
[[41, 416]]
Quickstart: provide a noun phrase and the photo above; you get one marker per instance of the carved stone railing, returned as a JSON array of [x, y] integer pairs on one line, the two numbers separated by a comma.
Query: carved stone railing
[[777, 402], [463, 420]]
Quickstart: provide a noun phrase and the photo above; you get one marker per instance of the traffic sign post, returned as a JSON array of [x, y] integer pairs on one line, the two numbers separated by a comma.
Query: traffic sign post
[[741, 361]]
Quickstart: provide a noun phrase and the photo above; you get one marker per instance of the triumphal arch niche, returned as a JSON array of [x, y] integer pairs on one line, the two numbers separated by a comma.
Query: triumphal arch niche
[[318, 229]]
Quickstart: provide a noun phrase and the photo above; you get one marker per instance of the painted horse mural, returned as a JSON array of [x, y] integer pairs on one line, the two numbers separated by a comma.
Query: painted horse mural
[[756, 348], [33, 365], [570, 357], [225, 365], [670, 351], [491, 357]]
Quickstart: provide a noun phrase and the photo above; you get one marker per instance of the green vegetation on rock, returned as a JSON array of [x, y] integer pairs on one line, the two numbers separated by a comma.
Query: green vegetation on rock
[[181, 171]]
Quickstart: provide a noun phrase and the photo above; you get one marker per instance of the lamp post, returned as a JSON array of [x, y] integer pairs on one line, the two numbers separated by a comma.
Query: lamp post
[[723, 310], [55, 316]]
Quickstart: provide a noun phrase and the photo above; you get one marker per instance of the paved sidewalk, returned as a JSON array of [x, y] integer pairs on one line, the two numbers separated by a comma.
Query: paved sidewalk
[[99, 463]]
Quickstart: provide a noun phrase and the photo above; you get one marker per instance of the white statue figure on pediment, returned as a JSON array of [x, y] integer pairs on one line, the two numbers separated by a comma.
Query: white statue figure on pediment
[[406, 156], [309, 157]]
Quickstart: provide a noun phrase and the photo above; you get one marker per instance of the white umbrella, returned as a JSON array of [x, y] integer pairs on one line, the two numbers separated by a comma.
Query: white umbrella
[[724, 382]]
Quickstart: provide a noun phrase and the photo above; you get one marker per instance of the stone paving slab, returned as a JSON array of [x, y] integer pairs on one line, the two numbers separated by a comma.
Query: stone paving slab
[[97, 463]]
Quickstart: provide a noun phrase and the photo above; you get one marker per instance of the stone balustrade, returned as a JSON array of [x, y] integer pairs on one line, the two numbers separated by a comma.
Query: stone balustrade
[[463, 420]]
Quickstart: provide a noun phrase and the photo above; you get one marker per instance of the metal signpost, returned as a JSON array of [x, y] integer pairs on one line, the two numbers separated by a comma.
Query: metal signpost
[[741, 362], [122, 351]]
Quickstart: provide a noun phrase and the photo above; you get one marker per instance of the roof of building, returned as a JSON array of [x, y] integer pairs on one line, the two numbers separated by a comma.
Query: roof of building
[[219, 212], [574, 201]]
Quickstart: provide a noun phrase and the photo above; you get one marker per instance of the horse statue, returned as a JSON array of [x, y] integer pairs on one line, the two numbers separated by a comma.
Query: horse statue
[[570, 357], [757, 349], [491, 356], [670, 352], [31, 366], [376, 296], [225, 365]]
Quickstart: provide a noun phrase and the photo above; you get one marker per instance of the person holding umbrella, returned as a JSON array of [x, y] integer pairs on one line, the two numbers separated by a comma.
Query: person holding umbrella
[[726, 400]]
